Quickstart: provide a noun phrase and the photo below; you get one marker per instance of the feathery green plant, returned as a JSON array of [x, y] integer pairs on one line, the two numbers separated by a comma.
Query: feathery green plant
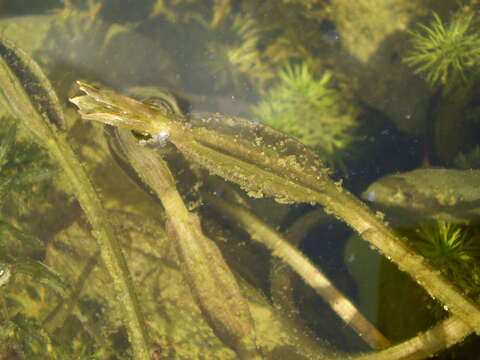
[[469, 159], [447, 53], [233, 57], [26, 283], [22, 165], [454, 249], [311, 111]]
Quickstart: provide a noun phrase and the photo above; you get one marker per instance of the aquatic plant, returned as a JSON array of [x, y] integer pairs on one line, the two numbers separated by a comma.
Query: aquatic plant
[[74, 41], [469, 159], [288, 177], [243, 50], [294, 30], [233, 56], [23, 169], [265, 162], [25, 281], [22, 166], [447, 53], [46, 122], [310, 110], [454, 249]]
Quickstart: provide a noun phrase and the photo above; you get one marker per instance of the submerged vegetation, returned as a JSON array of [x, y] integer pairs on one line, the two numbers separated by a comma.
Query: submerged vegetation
[[25, 282], [455, 250], [233, 57], [21, 165], [469, 160], [198, 279], [311, 111], [447, 53], [23, 170]]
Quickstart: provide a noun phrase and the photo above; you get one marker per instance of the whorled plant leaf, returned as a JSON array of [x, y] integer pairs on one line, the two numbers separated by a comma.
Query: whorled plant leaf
[[30, 97], [21, 164], [17, 243], [42, 274], [26, 337], [27, 177]]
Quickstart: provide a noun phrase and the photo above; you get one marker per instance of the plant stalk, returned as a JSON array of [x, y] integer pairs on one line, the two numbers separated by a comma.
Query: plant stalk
[[211, 281], [32, 99]]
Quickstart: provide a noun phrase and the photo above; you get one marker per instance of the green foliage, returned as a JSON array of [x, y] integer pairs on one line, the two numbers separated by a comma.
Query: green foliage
[[21, 165], [454, 249], [23, 336], [447, 54], [36, 270], [22, 331], [468, 160], [28, 288], [41, 274], [293, 30], [22, 278], [16, 243], [233, 57], [242, 44], [311, 111], [19, 168]]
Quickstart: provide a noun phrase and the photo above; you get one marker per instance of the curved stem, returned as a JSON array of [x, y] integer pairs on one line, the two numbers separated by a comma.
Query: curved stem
[[31, 98], [262, 233], [371, 227], [267, 163], [281, 275], [441, 336], [211, 281]]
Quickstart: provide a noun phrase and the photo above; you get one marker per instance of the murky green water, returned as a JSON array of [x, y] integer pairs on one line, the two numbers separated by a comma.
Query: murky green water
[[92, 254]]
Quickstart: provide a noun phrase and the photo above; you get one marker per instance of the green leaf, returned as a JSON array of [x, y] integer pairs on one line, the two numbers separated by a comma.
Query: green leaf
[[6, 144], [41, 273], [447, 54], [33, 176], [30, 338], [20, 243], [27, 177]]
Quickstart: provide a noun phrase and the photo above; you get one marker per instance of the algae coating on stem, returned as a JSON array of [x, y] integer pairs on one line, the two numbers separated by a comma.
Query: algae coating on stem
[[289, 173]]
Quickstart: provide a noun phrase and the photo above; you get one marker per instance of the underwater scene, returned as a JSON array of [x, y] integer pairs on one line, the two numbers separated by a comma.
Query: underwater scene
[[239, 179]]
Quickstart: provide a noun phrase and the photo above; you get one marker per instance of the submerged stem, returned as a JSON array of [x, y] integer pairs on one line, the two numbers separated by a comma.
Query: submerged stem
[[265, 162], [211, 282], [262, 233], [31, 98], [426, 344]]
